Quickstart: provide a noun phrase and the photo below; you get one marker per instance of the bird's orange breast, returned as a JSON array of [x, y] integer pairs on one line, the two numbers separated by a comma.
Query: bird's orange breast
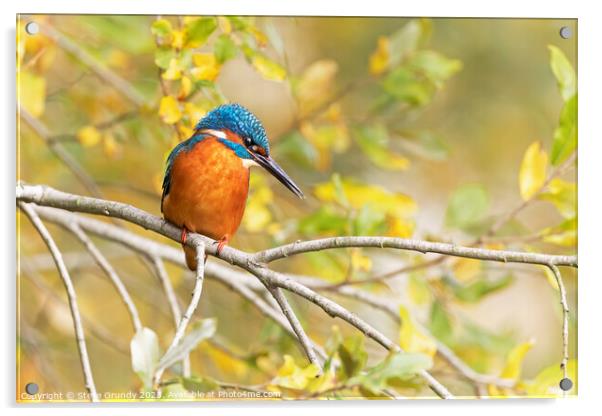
[[208, 190]]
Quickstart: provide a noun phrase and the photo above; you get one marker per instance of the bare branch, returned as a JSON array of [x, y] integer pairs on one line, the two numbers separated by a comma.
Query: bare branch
[[99, 69], [194, 302], [565, 319], [60, 152], [111, 273], [296, 325], [172, 300], [270, 278], [287, 250], [64, 274]]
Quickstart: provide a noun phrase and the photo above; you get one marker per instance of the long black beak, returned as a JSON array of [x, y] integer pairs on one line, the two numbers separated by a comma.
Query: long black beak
[[271, 166]]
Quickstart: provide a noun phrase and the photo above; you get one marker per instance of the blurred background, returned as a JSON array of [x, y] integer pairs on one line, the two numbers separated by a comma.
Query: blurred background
[[448, 130]]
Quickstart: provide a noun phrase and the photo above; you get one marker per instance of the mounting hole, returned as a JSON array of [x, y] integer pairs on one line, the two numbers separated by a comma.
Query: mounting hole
[[566, 384], [566, 32], [32, 28], [31, 388]]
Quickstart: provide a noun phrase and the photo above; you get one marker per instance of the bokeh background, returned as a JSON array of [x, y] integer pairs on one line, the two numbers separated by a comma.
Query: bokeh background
[[392, 126]]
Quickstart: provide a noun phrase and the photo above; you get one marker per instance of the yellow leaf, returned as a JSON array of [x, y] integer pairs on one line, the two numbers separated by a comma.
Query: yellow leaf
[[316, 84], [515, 359], [545, 384], [268, 69], [88, 136], [326, 139], [358, 195], [177, 39], [185, 88], [411, 339], [418, 290], [169, 111], [532, 171], [379, 60], [32, 93], [224, 24], [194, 113], [359, 261], [227, 363], [400, 227], [563, 195], [466, 270], [292, 376], [110, 146], [173, 71], [206, 67]]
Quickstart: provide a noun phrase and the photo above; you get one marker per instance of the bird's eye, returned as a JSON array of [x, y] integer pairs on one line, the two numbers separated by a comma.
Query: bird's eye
[[248, 141]]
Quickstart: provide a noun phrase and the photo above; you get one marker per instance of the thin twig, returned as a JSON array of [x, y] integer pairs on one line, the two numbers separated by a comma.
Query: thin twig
[[59, 151], [296, 325], [105, 74], [172, 301], [64, 274], [421, 246], [110, 272], [565, 319], [501, 221], [194, 302]]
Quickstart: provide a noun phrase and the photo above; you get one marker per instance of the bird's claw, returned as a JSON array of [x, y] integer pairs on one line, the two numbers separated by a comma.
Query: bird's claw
[[221, 243], [184, 235]]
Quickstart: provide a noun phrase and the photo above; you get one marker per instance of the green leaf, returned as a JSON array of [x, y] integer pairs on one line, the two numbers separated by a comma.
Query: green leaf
[[440, 324], [545, 384], [565, 135], [564, 73], [369, 221], [475, 291], [200, 331], [467, 207], [429, 145], [224, 49], [199, 384], [436, 67], [563, 195], [296, 148], [564, 234], [145, 352], [164, 56], [323, 221], [161, 27], [353, 355], [373, 141], [405, 86], [407, 39], [400, 365], [199, 30]]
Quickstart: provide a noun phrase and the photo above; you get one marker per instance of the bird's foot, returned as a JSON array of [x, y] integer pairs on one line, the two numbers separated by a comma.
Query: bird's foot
[[184, 235], [221, 243]]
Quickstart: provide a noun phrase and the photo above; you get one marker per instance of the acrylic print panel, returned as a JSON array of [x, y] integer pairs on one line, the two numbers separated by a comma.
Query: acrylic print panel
[[165, 253]]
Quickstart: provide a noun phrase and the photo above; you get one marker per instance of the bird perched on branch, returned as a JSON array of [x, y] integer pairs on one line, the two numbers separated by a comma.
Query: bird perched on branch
[[207, 176]]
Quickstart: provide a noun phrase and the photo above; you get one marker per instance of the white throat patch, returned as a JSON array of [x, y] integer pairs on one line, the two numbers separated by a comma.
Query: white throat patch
[[247, 163]]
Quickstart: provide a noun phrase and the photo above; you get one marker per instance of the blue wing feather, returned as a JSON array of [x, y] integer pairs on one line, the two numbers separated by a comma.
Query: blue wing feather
[[184, 146]]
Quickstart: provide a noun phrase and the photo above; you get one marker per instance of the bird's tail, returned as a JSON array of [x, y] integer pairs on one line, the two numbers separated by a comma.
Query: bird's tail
[[190, 257]]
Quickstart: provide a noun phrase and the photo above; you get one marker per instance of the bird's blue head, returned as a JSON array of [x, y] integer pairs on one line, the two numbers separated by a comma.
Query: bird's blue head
[[240, 121], [251, 141]]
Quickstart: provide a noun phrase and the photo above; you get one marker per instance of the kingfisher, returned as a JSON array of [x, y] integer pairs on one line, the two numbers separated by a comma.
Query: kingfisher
[[206, 180]]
